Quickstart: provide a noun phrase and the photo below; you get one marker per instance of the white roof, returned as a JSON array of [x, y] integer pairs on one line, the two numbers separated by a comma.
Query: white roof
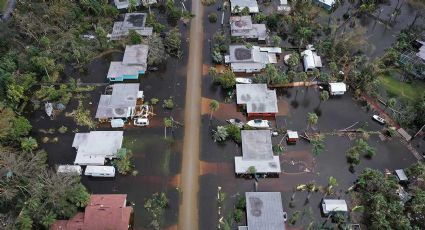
[[276, 50], [243, 59], [69, 169], [119, 69], [264, 211], [292, 134], [94, 169], [337, 87], [283, 2], [251, 4], [333, 205], [311, 60], [94, 147], [327, 2], [257, 151], [123, 4], [136, 55], [401, 175], [117, 123], [257, 98], [120, 103]]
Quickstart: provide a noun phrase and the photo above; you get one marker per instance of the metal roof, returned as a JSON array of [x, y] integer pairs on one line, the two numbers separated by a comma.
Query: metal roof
[[251, 4], [257, 151], [311, 59], [334, 205], [136, 55], [337, 87], [401, 175], [94, 147], [117, 105], [123, 4], [241, 26], [118, 69], [264, 211], [132, 21], [257, 98]]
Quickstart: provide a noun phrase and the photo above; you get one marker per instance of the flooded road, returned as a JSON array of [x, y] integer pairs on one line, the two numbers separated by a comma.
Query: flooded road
[[188, 212]]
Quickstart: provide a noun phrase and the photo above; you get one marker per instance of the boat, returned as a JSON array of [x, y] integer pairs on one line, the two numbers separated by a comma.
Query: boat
[[258, 123], [48, 107], [235, 121], [379, 119], [242, 80]]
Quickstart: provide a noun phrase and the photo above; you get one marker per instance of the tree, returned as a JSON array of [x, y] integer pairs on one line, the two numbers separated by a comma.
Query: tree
[[212, 71], [251, 170], [132, 5], [214, 105], [332, 182], [276, 40], [157, 54], [28, 144], [155, 206], [227, 79], [318, 144], [293, 60], [167, 124], [391, 103], [212, 17], [220, 134], [21, 127], [312, 119], [324, 96], [172, 42], [303, 77]]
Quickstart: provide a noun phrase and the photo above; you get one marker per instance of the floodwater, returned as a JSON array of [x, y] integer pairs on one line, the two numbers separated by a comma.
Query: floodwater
[[157, 161], [188, 212]]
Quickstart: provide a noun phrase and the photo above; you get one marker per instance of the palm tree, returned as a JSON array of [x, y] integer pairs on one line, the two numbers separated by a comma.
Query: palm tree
[[331, 183], [167, 123], [391, 103], [324, 96], [214, 105], [312, 119], [311, 187]]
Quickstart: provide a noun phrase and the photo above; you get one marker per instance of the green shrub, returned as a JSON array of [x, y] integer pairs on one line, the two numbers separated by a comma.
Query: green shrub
[[212, 17], [154, 101], [168, 103], [237, 215]]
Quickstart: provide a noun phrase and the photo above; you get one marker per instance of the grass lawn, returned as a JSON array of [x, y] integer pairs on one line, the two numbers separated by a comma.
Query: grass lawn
[[3, 4], [408, 91]]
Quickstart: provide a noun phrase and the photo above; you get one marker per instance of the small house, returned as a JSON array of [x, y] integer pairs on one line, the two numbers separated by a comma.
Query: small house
[[292, 136], [334, 206], [327, 4], [242, 26], [134, 63], [264, 211], [253, 59], [310, 59], [132, 21], [257, 99], [104, 211], [237, 6], [121, 103], [283, 6], [257, 154], [100, 171], [337, 88], [124, 4], [95, 147]]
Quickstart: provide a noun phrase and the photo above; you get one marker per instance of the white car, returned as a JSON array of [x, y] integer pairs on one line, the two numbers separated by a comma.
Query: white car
[[141, 122], [379, 119]]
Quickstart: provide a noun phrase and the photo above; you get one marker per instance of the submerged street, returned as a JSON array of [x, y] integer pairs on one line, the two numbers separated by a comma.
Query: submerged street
[[188, 213]]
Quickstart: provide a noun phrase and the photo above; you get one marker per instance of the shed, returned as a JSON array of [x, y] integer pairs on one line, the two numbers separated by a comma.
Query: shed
[[311, 60], [292, 136], [117, 123], [264, 211], [258, 99], [257, 152], [337, 88], [334, 205], [95, 147], [401, 175]]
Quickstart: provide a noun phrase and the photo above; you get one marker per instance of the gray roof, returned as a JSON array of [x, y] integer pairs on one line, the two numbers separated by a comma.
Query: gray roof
[[401, 174], [264, 211], [257, 151], [257, 98], [94, 147], [251, 4], [136, 55], [118, 69], [132, 21], [242, 59], [241, 26], [421, 52], [119, 103], [123, 4]]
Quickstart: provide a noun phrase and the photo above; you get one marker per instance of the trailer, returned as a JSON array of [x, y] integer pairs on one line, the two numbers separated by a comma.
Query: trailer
[[100, 171], [69, 169]]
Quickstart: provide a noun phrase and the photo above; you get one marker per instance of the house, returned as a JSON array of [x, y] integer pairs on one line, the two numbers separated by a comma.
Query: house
[[237, 6], [104, 211], [121, 103], [242, 26], [253, 59], [95, 147], [337, 88], [132, 21], [134, 63], [257, 153], [124, 4], [257, 98], [292, 136], [327, 4], [310, 59], [264, 211], [334, 206]]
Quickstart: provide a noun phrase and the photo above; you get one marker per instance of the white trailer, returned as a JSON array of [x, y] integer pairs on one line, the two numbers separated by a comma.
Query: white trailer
[[100, 171], [69, 169]]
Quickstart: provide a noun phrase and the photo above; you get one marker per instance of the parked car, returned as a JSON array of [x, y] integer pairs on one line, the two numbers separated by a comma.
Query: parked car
[[88, 37], [379, 119], [141, 122]]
